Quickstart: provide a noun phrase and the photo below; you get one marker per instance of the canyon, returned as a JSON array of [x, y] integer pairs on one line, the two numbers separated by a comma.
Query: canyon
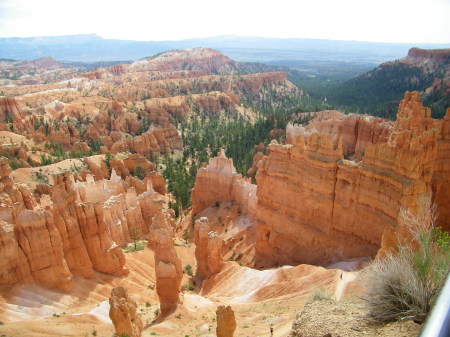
[[334, 191], [89, 234]]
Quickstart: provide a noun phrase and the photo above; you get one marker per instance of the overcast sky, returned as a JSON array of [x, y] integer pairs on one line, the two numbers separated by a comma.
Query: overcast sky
[[409, 21]]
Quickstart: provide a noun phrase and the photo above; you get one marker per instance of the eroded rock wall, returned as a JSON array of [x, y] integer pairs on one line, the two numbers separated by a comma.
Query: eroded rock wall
[[75, 228], [441, 175], [316, 207], [208, 249], [220, 182]]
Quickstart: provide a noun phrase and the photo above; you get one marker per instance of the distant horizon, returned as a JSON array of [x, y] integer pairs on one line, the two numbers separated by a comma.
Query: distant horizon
[[224, 36], [382, 21]]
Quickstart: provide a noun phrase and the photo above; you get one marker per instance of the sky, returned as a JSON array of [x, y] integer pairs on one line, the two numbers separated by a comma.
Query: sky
[[405, 21]]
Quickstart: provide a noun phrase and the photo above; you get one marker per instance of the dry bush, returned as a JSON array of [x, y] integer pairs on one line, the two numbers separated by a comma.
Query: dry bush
[[405, 283], [320, 294]]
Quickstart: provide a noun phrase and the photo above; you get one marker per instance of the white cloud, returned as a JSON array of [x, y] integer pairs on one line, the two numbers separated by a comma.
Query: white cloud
[[383, 20]]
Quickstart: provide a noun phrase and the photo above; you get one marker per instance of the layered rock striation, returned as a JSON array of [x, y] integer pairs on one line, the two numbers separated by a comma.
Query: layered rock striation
[[315, 206], [356, 131], [440, 182], [220, 182], [74, 228]]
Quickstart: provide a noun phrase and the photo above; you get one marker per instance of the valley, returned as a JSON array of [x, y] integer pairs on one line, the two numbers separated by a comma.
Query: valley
[[193, 181]]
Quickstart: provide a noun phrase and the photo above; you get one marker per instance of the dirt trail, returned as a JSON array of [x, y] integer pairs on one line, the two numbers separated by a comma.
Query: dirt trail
[[341, 285]]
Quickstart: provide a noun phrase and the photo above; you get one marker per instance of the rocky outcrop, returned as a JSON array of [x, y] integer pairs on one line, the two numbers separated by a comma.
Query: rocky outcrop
[[76, 228], [208, 60], [41, 244], [14, 267], [105, 255], [31, 244], [168, 268], [208, 249], [122, 312], [418, 55], [441, 175], [64, 210], [13, 115], [315, 206], [158, 140], [356, 131], [226, 322], [220, 182]]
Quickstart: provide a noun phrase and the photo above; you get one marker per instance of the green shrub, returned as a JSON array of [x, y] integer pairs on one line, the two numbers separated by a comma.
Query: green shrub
[[405, 283], [138, 172], [189, 287], [188, 269], [140, 245]]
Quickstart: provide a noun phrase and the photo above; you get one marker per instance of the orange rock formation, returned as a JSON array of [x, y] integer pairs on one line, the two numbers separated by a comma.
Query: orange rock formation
[[74, 229], [226, 322], [314, 206], [208, 249], [440, 183], [168, 268], [220, 182], [334, 191], [123, 314]]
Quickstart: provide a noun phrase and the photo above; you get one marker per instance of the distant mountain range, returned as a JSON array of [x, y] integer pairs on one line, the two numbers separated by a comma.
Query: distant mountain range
[[92, 48]]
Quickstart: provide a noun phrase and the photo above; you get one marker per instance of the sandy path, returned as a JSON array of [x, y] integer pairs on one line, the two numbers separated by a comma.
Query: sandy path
[[342, 283]]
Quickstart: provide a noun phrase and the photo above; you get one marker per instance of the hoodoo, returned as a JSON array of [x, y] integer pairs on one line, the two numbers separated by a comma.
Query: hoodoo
[[168, 268], [226, 322], [123, 313], [208, 249]]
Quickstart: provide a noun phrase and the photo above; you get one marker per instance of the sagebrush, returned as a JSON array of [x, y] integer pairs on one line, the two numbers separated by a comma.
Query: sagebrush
[[406, 282]]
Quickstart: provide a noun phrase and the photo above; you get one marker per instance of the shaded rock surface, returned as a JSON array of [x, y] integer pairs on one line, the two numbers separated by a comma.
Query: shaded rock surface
[[220, 182], [123, 313], [315, 206], [75, 228], [208, 249], [168, 267], [226, 322]]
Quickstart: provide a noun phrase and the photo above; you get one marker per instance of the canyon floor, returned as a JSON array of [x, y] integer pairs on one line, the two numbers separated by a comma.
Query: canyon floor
[[260, 299]]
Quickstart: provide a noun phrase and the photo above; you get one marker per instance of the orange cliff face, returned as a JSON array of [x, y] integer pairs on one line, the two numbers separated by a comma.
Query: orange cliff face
[[74, 228], [441, 175], [220, 182], [316, 207], [335, 190]]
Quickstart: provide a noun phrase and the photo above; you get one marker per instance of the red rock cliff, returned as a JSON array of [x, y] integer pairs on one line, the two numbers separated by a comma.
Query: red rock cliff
[[316, 207], [220, 182], [75, 228]]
